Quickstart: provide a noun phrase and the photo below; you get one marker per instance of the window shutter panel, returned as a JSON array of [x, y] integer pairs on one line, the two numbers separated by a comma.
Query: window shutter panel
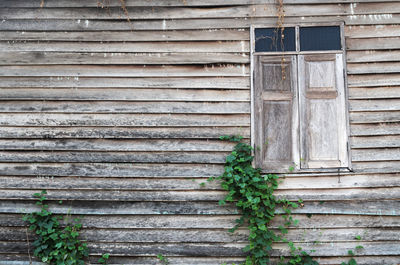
[[323, 132], [275, 110]]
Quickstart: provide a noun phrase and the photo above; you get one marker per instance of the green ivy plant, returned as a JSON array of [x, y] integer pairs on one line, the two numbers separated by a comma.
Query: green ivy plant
[[162, 259], [253, 194], [57, 244]]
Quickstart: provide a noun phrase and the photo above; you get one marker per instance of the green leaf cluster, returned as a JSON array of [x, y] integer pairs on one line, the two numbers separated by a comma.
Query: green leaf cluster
[[55, 244], [253, 193], [163, 259]]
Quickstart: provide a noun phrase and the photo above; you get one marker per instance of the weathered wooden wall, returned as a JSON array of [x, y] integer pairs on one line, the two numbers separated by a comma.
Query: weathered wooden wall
[[121, 120]]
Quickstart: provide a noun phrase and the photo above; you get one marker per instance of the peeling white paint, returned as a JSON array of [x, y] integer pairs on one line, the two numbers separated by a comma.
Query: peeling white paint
[[3, 21], [242, 46], [164, 24], [87, 23], [78, 21]]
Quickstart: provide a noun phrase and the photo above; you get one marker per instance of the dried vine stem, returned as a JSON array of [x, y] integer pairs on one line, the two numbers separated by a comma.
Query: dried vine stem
[[280, 28]]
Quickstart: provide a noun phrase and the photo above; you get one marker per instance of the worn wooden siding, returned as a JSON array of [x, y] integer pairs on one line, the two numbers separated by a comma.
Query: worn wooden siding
[[120, 120]]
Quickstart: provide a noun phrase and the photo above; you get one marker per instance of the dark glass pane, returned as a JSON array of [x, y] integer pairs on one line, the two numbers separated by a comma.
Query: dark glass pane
[[270, 40], [320, 38]]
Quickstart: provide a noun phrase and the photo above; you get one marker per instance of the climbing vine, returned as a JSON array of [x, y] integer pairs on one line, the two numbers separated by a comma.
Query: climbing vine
[[253, 194], [57, 244]]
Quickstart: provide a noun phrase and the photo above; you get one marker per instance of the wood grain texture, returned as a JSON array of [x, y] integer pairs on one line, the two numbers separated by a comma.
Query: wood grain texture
[[117, 145], [375, 129], [22, 259], [375, 31], [135, 3], [134, 36], [203, 132], [34, 58], [127, 47], [116, 82], [163, 191], [124, 107], [109, 169], [221, 249], [192, 181], [131, 120], [126, 70], [125, 94], [212, 236], [382, 207], [149, 12], [121, 120], [320, 222], [373, 68], [185, 24]]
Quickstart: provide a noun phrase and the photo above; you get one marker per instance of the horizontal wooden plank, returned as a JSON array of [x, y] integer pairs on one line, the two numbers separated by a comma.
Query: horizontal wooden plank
[[191, 181], [21, 259], [374, 92], [117, 82], [375, 141], [219, 249], [335, 181], [34, 58], [109, 169], [115, 157], [376, 154], [381, 207], [373, 43], [310, 221], [141, 183], [135, 36], [152, 236], [373, 68], [122, 133], [374, 117], [135, 3], [375, 129], [375, 31], [117, 145], [127, 47], [110, 195], [126, 70], [201, 194], [374, 80], [151, 12], [377, 166], [126, 208], [160, 94], [124, 107], [211, 236], [374, 105], [327, 194], [184, 24], [132, 120], [372, 56]]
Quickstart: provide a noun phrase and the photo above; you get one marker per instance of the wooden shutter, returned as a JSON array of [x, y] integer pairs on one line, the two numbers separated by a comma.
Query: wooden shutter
[[323, 133], [275, 110]]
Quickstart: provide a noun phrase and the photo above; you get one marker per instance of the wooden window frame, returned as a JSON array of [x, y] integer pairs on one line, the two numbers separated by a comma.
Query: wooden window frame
[[253, 53]]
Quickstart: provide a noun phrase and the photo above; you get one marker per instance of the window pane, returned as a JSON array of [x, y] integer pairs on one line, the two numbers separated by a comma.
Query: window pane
[[320, 38], [270, 40]]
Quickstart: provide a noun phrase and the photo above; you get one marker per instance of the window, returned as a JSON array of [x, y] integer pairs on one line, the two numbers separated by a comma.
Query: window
[[299, 106]]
